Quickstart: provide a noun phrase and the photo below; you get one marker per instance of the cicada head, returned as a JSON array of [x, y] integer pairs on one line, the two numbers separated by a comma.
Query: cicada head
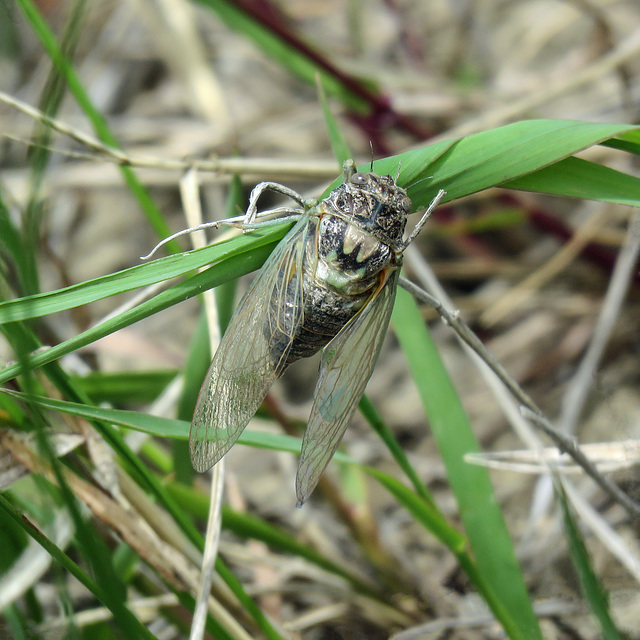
[[375, 203]]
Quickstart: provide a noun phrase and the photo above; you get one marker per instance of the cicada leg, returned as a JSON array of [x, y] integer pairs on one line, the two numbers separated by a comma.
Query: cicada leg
[[251, 219], [425, 216]]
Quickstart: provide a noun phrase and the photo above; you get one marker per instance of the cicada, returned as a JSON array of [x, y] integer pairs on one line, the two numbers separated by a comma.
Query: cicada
[[329, 285]]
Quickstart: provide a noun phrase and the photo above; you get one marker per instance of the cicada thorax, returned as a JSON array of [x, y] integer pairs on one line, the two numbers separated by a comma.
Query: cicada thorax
[[350, 249]]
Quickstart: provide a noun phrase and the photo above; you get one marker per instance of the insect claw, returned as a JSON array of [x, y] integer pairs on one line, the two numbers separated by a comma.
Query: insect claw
[[349, 167]]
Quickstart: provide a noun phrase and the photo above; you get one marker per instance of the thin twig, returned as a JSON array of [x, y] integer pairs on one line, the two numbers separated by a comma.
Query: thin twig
[[529, 408], [228, 166]]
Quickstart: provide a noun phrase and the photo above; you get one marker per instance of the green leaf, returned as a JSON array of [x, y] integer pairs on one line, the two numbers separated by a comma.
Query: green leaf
[[496, 157], [180, 292], [594, 593], [339, 145], [146, 274], [99, 124], [162, 427], [578, 178], [479, 510]]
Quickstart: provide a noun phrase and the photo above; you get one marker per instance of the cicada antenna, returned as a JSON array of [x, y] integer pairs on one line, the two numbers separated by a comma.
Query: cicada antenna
[[413, 184], [398, 172]]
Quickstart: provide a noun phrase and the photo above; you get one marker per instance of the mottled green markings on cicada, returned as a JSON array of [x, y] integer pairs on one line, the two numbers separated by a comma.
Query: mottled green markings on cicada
[[329, 286]]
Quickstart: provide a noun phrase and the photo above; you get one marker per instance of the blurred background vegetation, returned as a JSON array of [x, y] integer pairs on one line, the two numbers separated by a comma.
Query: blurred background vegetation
[[232, 89]]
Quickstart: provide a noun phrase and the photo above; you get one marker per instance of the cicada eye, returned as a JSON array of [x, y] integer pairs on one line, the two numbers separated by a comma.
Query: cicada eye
[[359, 179], [406, 204]]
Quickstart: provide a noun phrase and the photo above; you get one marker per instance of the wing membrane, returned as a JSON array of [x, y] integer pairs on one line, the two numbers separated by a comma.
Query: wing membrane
[[243, 367], [346, 366]]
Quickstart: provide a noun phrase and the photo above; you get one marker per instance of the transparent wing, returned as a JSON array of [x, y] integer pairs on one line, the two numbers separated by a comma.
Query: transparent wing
[[245, 363], [346, 366]]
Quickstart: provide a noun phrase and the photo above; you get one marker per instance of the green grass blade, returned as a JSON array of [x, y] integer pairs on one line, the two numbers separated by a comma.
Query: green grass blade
[[130, 625], [578, 178], [495, 157], [180, 292], [339, 146], [594, 593], [629, 142], [161, 427], [479, 511], [386, 435], [99, 124], [144, 275]]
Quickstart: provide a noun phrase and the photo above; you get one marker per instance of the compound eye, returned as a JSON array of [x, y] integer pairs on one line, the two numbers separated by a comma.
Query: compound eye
[[406, 204], [359, 179]]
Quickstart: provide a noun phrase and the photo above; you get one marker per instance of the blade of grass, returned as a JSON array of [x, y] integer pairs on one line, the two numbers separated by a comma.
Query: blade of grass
[[142, 275], [194, 285], [578, 178], [479, 512], [594, 593], [491, 158], [131, 626], [339, 145], [48, 40], [629, 142], [249, 526], [501, 156], [158, 426], [386, 435]]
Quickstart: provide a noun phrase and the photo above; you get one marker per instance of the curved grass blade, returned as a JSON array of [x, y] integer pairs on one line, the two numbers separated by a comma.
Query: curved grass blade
[[593, 591], [194, 285], [578, 178], [161, 427], [99, 124], [479, 510], [141, 276], [129, 623], [491, 158]]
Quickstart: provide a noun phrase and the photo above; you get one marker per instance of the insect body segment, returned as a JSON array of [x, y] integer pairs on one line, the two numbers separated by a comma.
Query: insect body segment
[[330, 284]]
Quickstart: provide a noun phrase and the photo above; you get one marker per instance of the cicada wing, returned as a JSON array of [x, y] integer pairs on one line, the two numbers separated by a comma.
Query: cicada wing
[[250, 354], [346, 366]]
